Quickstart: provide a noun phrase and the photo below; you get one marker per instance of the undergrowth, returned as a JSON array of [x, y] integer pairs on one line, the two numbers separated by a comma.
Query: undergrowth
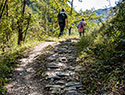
[[8, 60], [103, 58]]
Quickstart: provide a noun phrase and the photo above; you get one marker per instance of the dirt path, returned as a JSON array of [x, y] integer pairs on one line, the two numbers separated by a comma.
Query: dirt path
[[57, 71], [23, 82]]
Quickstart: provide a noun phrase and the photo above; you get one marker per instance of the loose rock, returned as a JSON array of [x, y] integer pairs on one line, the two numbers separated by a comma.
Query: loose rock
[[72, 83], [72, 92], [52, 65]]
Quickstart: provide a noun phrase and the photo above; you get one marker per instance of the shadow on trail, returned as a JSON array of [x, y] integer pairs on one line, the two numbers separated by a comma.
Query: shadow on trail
[[59, 69], [23, 81], [35, 72]]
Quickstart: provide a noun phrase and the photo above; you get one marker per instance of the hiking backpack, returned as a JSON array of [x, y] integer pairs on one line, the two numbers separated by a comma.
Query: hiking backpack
[[81, 24], [61, 17]]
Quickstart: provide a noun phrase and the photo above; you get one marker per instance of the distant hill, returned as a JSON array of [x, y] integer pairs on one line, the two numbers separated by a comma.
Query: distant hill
[[102, 11]]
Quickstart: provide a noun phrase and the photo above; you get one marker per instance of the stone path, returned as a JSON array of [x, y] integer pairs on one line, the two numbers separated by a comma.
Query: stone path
[[60, 70]]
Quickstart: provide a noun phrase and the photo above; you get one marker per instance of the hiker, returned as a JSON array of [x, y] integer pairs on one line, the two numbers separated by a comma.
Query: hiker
[[81, 27], [62, 19]]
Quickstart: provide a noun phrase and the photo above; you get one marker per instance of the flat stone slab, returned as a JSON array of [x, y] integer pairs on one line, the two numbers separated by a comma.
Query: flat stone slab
[[54, 77], [71, 58], [61, 64], [52, 65], [56, 66], [64, 50], [70, 79], [78, 86], [72, 92], [62, 74], [68, 43], [68, 51], [51, 58], [54, 86], [70, 88], [72, 84], [61, 82], [70, 68], [50, 73], [55, 55]]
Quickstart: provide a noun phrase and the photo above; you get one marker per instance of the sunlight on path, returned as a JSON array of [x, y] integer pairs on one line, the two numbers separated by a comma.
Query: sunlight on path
[[59, 65], [22, 80]]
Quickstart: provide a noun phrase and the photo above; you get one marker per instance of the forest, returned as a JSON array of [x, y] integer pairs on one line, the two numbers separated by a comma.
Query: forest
[[99, 54]]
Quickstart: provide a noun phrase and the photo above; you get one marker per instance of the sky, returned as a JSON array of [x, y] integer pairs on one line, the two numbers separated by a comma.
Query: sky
[[89, 4]]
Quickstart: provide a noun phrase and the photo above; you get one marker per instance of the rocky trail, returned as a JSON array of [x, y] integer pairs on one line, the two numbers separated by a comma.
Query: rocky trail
[[50, 69]]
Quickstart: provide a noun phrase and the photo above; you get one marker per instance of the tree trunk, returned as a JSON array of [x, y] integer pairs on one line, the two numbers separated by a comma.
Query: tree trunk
[[20, 36], [71, 16], [45, 18], [1, 5], [71, 8], [3, 9], [7, 34], [24, 5], [20, 31], [70, 30], [28, 22]]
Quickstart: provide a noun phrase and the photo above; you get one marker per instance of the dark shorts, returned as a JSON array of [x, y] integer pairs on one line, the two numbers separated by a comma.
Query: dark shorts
[[80, 33], [62, 26]]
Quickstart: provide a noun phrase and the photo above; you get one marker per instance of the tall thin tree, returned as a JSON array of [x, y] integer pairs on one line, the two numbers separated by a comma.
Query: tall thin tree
[[20, 31], [3, 9], [71, 16]]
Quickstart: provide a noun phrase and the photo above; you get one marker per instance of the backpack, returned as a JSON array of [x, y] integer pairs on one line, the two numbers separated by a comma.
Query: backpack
[[61, 17], [81, 24]]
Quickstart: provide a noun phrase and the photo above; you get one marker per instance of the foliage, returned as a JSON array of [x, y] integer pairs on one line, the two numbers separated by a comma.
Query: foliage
[[30, 21], [102, 52]]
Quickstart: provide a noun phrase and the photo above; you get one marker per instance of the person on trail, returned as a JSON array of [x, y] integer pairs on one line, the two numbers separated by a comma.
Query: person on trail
[[81, 27], [61, 20]]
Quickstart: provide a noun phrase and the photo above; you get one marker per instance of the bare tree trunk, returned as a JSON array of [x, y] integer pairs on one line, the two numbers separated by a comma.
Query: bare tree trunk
[[71, 7], [24, 5], [70, 30], [3, 9], [28, 22], [2, 5], [45, 18], [7, 34], [71, 16], [20, 36], [20, 31]]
